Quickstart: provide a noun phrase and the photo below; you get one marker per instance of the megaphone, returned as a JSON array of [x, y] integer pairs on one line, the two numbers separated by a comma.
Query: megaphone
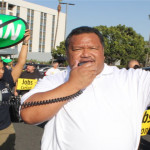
[[12, 30]]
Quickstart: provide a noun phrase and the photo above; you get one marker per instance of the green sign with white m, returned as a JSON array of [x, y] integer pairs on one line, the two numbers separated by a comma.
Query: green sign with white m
[[12, 30]]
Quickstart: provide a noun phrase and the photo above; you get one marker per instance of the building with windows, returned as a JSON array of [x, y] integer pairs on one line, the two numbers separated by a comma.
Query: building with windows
[[42, 22]]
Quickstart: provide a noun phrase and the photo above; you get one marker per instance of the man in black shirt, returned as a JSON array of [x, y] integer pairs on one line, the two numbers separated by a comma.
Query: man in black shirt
[[30, 73]]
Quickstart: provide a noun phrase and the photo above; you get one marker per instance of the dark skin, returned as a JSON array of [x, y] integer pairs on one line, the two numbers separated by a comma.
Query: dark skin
[[84, 47]]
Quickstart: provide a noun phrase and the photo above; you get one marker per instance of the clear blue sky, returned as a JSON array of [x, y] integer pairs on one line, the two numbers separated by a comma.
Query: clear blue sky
[[131, 13]]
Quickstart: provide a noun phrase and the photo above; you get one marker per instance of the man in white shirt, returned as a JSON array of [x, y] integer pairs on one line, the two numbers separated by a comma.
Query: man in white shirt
[[106, 116], [53, 70]]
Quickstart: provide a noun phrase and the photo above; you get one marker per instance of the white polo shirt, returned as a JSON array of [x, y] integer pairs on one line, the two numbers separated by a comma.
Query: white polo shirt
[[52, 71], [106, 116]]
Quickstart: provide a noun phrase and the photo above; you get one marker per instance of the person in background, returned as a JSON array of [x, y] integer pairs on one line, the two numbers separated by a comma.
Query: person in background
[[7, 81], [30, 73], [133, 64], [106, 113], [53, 70], [8, 63], [143, 141]]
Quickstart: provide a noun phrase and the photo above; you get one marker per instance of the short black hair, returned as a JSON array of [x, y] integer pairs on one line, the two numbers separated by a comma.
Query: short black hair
[[55, 61], [83, 29]]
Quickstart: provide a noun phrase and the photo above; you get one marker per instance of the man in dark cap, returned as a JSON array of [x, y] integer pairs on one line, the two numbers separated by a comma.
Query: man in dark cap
[[30, 73]]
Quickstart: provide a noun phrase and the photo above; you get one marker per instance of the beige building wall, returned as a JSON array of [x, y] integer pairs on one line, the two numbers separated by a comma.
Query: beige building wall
[[35, 53], [48, 33], [61, 29]]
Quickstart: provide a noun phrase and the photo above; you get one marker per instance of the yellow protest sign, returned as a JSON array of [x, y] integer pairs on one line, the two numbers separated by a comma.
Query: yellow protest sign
[[145, 123], [26, 84]]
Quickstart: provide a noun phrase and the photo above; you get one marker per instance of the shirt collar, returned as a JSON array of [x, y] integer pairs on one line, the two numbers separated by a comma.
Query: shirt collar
[[106, 71]]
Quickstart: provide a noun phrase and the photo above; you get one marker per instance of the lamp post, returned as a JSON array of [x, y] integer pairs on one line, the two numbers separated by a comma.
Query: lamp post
[[66, 15], [55, 37]]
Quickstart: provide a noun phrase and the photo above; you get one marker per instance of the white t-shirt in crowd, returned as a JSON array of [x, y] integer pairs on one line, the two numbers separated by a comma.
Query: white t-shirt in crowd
[[106, 116], [52, 71]]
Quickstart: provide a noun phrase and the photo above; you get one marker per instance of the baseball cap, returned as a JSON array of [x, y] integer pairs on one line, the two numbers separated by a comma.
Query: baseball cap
[[6, 60], [31, 64]]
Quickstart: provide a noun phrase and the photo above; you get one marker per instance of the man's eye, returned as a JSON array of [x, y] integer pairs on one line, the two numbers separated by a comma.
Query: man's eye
[[76, 49], [93, 48]]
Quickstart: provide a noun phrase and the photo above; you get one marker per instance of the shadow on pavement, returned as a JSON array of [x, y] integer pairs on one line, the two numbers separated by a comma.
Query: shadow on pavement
[[9, 144]]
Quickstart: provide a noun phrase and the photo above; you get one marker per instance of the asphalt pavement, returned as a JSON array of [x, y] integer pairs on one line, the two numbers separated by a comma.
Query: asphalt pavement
[[28, 137], [145, 142]]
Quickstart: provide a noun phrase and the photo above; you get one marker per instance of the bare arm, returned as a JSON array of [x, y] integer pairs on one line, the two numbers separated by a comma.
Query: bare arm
[[22, 58], [42, 113], [15, 90], [79, 79]]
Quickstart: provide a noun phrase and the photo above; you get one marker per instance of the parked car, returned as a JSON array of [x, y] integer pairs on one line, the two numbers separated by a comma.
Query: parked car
[[146, 68], [44, 69], [62, 68]]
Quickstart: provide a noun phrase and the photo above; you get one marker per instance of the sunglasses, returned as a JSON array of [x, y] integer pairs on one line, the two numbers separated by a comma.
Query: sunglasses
[[136, 67]]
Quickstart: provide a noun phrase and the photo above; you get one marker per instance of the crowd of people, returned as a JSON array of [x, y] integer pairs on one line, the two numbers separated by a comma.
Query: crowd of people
[[91, 106]]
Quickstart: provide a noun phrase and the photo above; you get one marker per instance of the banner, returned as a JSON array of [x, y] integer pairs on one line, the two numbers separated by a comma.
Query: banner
[[12, 30], [26, 84], [145, 123]]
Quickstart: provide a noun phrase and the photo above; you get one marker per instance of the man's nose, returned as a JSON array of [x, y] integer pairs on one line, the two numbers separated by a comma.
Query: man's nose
[[85, 52]]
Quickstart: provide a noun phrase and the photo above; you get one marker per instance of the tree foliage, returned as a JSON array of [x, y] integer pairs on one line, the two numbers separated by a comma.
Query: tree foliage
[[59, 51], [122, 43]]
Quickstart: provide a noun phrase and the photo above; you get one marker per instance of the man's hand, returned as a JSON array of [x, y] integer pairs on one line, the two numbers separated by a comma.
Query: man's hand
[[82, 76]]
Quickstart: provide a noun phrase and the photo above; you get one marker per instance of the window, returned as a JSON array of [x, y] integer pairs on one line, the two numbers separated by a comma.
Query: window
[[52, 35], [30, 21], [3, 8], [10, 7], [42, 32], [18, 11]]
